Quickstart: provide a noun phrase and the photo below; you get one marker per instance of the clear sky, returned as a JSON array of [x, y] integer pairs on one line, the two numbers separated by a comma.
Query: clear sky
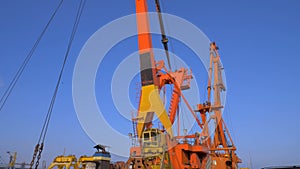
[[258, 40]]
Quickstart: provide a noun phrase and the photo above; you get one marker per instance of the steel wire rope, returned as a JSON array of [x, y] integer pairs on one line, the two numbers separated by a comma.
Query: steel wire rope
[[40, 144], [75, 26], [26, 60], [170, 39]]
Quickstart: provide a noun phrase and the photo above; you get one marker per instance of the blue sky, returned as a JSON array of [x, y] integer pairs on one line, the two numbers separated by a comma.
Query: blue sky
[[258, 44]]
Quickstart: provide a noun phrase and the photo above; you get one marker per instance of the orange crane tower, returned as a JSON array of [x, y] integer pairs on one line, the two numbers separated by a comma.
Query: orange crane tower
[[222, 149]]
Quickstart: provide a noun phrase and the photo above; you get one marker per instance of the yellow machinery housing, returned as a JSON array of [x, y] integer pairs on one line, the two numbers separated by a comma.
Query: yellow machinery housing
[[100, 160], [153, 142]]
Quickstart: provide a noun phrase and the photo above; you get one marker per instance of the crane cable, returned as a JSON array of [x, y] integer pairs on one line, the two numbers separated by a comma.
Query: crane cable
[[26, 60], [164, 39], [174, 62], [40, 145]]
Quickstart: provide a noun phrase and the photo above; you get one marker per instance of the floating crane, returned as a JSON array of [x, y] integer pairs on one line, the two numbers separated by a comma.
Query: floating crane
[[158, 148]]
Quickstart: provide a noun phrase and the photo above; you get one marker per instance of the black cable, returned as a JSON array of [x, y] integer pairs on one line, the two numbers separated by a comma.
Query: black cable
[[164, 39], [26, 60], [49, 113], [40, 144], [174, 63]]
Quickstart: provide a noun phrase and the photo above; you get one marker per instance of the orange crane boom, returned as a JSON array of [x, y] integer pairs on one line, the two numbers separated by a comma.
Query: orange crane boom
[[150, 101]]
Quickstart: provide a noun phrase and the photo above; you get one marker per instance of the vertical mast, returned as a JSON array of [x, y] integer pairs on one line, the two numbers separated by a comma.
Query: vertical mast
[[218, 86]]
